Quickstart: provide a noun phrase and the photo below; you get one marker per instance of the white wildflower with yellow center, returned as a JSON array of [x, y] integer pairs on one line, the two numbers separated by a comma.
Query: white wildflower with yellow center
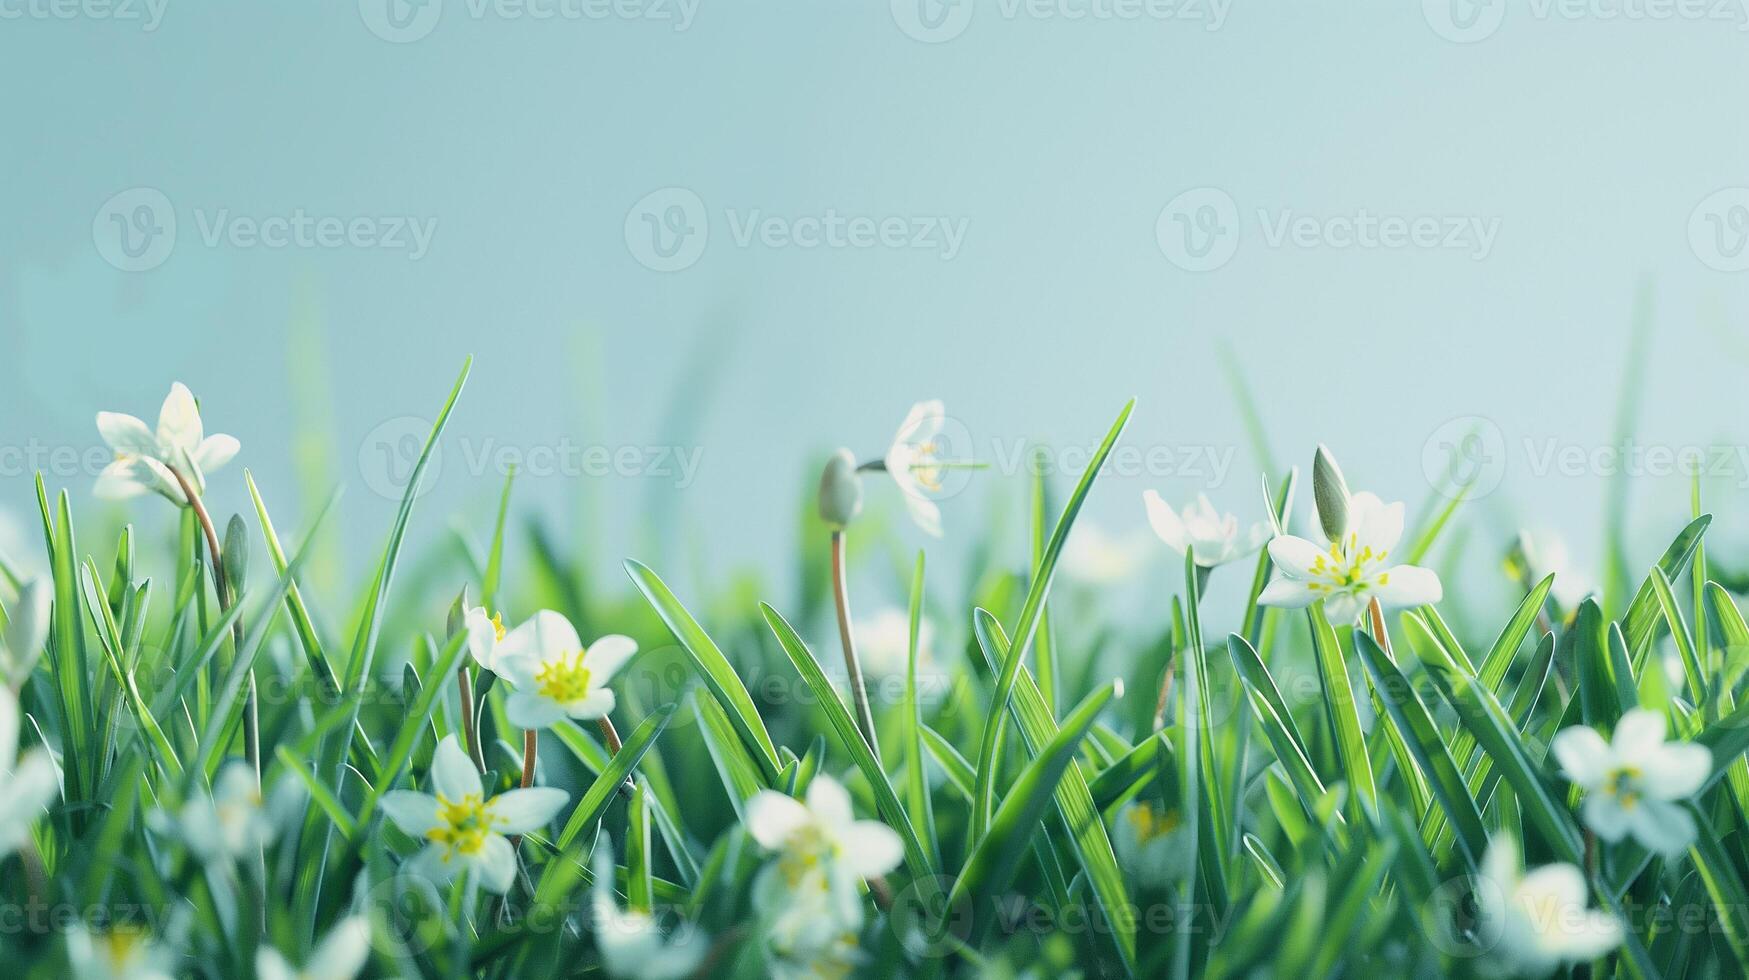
[[1215, 537], [126, 952], [149, 461], [1632, 782], [232, 822], [339, 956], [812, 893], [466, 832], [555, 675], [1152, 843], [1353, 570], [27, 785], [1533, 922], [485, 635], [914, 462], [631, 941]]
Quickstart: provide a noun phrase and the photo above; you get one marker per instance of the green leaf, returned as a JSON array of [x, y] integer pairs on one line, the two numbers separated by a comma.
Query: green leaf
[[562, 874], [1344, 719], [1643, 613], [917, 799]]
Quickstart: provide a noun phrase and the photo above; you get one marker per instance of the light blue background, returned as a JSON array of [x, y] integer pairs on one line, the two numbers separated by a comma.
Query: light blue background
[[1058, 142]]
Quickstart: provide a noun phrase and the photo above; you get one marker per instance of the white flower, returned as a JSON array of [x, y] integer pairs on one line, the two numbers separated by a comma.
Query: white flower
[[1631, 782], [27, 785], [835, 960], [1352, 571], [1098, 557], [631, 942], [555, 675], [230, 824], [1546, 554], [1216, 538], [27, 629], [339, 956], [485, 634], [884, 642], [1539, 920], [812, 893], [126, 952], [466, 832], [145, 460], [1151, 842], [914, 462]]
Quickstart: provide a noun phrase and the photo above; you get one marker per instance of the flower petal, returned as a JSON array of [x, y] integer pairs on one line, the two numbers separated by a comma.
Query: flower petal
[[1559, 885], [772, 817], [482, 637], [1287, 593], [179, 426], [871, 848], [414, 813], [1660, 826], [922, 422], [495, 864], [120, 480], [1604, 814], [1679, 770], [531, 711], [1584, 756], [1638, 736], [343, 952], [270, 965], [215, 451], [1375, 524], [923, 511], [522, 810], [1294, 555], [597, 704], [126, 434], [544, 636], [452, 773], [1164, 521], [607, 655], [1407, 585], [829, 802]]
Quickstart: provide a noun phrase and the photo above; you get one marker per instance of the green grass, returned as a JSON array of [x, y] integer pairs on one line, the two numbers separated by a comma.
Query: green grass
[[1334, 792]]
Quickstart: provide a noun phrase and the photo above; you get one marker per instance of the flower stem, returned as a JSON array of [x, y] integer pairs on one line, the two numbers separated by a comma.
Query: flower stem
[[858, 692], [215, 557], [470, 732], [530, 744], [610, 735]]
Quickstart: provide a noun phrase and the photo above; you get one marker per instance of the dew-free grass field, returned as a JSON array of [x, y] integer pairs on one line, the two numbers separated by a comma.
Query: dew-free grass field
[[207, 773]]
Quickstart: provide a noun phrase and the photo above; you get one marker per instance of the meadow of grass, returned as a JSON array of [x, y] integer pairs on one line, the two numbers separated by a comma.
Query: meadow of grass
[[222, 771]]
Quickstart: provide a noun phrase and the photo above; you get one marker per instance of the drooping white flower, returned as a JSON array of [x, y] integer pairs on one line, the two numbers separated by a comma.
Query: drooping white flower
[[466, 831], [914, 463], [485, 634], [1353, 570], [812, 893], [339, 956], [1546, 554], [631, 942], [555, 675], [149, 461], [27, 784], [126, 952], [1538, 920], [1097, 557], [1631, 782], [230, 824], [1215, 537], [1151, 842], [27, 629]]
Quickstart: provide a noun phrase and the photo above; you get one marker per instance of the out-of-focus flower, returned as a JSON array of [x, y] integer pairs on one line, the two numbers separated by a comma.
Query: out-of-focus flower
[[1095, 556], [339, 956], [914, 463], [1540, 918], [27, 629], [555, 675], [466, 832], [833, 960], [232, 822], [1215, 537], [27, 784], [149, 461], [1352, 570], [124, 953], [812, 893], [631, 942], [1631, 783], [884, 642], [1151, 842], [1546, 554]]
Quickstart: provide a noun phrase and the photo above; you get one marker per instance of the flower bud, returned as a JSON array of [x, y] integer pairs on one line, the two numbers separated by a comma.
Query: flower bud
[[1330, 492], [840, 490]]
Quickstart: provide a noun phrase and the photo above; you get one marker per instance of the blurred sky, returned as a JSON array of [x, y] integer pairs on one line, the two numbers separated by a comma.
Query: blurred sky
[[995, 176]]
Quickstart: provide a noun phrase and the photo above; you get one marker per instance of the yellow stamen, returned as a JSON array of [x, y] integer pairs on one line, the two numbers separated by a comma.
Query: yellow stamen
[[564, 679], [464, 825]]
